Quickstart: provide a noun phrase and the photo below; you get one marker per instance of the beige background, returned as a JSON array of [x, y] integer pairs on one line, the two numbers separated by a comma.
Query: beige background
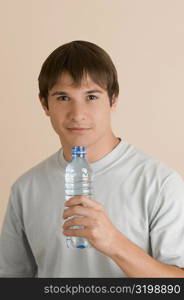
[[145, 39]]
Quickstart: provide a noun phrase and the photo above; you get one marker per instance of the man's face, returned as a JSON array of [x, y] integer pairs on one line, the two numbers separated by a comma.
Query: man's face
[[80, 115]]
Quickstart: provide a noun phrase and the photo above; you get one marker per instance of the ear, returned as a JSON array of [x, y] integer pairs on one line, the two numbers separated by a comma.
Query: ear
[[47, 112], [114, 103]]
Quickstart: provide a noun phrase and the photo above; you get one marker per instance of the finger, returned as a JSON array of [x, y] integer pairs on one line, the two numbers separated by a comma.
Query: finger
[[79, 211], [75, 232], [83, 200], [79, 221]]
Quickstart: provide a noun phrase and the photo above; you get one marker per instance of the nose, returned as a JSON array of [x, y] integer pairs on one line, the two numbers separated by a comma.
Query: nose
[[77, 112]]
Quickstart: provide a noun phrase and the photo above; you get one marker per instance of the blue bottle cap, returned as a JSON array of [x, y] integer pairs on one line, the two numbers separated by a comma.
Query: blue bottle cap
[[77, 150]]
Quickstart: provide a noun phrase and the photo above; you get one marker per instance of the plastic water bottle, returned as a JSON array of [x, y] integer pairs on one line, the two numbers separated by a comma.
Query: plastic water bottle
[[78, 181]]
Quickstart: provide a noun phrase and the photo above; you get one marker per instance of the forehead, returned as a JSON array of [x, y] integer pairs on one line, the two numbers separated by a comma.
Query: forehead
[[66, 81]]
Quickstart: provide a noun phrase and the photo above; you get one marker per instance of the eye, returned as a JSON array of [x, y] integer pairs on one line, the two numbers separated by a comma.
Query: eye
[[62, 98], [92, 97]]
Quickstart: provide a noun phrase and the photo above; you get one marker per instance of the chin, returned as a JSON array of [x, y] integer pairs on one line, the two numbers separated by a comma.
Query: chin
[[85, 140], [78, 141]]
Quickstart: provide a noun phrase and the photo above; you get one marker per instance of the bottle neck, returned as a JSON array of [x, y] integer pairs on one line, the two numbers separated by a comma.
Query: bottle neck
[[78, 156]]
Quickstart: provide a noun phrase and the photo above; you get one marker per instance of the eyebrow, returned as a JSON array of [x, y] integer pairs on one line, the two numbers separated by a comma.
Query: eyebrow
[[65, 93]]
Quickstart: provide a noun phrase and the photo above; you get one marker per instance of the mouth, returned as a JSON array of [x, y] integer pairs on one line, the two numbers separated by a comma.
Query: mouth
[[78, 130]]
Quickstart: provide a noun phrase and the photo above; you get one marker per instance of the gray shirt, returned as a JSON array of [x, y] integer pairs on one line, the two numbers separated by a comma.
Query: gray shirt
[[143, 197]]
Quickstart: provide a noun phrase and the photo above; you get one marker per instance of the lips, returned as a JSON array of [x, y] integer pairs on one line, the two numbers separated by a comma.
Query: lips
[[78, 129]]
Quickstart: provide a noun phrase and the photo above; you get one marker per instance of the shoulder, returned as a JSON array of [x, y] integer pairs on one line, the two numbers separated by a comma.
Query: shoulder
[[152, 167], [162, 186], [38, 173]]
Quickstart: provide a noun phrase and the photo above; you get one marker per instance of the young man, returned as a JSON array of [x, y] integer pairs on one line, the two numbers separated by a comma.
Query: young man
[[135, 223]]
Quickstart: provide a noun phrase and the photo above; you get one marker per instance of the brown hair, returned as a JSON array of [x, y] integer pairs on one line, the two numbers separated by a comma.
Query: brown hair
[[79, 58]]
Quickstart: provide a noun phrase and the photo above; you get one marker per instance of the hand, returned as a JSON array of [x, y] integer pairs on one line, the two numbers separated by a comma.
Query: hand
[[98, 229]]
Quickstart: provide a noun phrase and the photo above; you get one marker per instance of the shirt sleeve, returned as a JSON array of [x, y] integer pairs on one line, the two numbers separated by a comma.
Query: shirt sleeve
[[167, 224], [16, 258]]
